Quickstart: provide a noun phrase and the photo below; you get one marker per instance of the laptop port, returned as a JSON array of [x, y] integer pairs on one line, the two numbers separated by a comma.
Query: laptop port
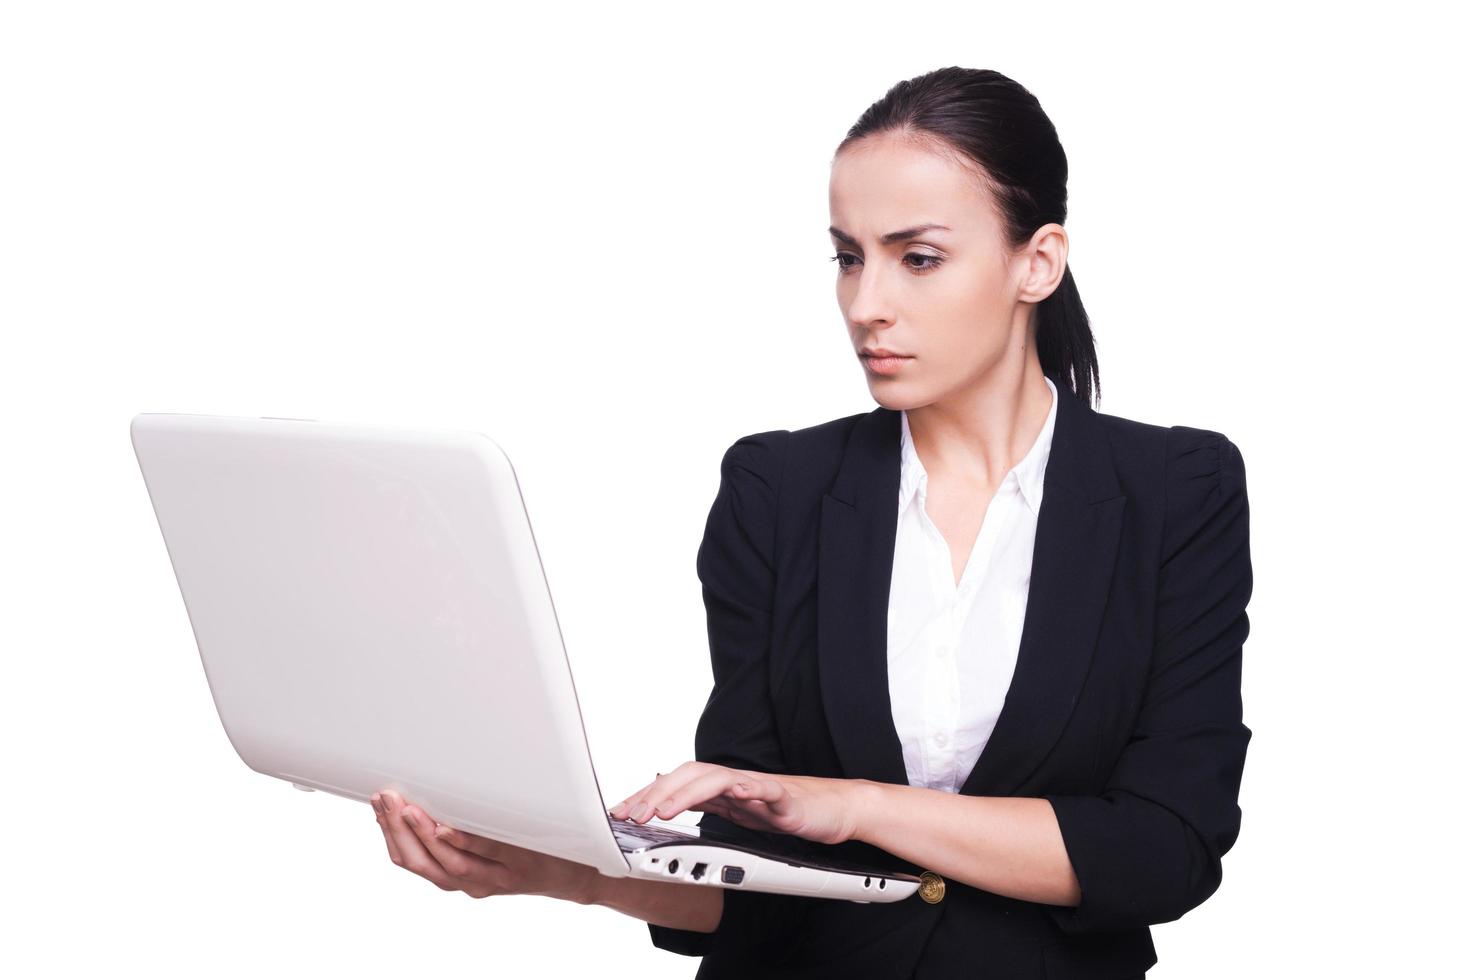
[[733, 875], [698, 871], [673, 866]]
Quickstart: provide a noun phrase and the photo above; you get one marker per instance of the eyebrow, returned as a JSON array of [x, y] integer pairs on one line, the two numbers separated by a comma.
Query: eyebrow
[[890, 237]]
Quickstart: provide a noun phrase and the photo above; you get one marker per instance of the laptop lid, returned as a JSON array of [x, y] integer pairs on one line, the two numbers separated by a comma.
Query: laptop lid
[[371, 612]]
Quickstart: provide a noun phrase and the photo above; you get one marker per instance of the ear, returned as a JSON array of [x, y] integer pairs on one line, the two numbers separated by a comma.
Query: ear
[[1045, 263]]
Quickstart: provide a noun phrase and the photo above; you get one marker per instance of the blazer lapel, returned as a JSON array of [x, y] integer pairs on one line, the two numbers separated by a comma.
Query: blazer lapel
[[1076, 539], [1077, 535], [859, 527]]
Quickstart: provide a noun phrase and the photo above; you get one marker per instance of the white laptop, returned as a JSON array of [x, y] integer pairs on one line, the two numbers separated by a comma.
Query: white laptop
[[372, 613]]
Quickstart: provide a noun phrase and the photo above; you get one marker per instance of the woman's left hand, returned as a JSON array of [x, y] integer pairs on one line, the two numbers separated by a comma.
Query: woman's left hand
[[814, 807]]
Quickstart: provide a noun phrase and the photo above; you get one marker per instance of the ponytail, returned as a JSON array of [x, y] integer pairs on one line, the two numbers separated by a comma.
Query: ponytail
[[1064, 342]]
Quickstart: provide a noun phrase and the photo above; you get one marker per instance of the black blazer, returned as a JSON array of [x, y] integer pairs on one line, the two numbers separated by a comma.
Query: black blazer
[[1124, 710]]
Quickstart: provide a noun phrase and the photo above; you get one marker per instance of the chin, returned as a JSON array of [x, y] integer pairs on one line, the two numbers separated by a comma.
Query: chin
[[893, 398]]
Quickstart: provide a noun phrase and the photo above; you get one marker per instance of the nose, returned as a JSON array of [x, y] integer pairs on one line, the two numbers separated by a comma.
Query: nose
[[869, 306]]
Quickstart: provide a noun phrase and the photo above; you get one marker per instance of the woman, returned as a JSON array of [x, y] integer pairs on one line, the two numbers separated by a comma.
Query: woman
[[982, 631]]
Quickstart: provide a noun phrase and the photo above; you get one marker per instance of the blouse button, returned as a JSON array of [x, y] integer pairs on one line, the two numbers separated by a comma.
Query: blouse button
[[941, 739]]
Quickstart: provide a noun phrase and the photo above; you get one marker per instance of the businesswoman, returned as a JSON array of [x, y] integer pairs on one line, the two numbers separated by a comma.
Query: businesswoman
[[982, 632]]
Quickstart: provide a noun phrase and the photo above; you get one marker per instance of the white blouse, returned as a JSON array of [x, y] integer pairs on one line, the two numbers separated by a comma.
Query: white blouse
[[952, 649]]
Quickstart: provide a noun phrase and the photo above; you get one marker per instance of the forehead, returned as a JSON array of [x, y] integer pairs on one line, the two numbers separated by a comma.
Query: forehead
[[885, 183]]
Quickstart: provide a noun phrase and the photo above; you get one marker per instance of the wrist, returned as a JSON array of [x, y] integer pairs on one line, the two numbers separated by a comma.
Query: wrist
[[590, 890], [868, 799]]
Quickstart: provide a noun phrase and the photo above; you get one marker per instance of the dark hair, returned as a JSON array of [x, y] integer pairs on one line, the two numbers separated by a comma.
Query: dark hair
[[1000, 128]]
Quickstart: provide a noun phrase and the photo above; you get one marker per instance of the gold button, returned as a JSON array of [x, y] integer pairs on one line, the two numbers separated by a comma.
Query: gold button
[[931, 888]]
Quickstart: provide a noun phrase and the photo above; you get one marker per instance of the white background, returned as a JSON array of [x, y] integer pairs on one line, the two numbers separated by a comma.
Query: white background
[[599, 235]]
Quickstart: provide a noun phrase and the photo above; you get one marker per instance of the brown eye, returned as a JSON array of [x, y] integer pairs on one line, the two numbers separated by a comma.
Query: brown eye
[[925, 262]]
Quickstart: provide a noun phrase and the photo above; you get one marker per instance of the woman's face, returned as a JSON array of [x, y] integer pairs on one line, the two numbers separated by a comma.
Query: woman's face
[[954, 300]]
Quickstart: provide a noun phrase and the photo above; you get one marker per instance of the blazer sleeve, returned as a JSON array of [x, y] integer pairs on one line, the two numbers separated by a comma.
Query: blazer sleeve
[[1149, 848], [736, 564]]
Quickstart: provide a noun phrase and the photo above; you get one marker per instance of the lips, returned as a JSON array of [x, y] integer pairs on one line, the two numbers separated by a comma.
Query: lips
[[885, 365]]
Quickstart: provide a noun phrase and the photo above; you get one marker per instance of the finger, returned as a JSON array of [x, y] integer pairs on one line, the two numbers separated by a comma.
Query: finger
[[718, 807], [464, 866], [717, 781], [769, 799], [490, 850], [771, 792], [750, 816], [618, 811], [380, 810], [416, 857], [659, 789], [757, 814]]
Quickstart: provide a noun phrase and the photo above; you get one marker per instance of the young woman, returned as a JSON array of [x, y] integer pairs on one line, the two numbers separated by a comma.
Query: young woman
[[982, 632]]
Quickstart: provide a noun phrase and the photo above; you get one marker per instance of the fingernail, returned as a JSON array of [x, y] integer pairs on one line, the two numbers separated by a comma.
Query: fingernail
[[638, 811], [441, 831], [408, 819]]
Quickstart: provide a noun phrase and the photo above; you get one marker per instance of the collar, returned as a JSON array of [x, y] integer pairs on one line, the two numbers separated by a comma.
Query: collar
[[1030, 472], [1077, 541]]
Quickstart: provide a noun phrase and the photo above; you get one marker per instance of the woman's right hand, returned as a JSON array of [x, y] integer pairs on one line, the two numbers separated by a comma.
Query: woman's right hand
[[478, 866]]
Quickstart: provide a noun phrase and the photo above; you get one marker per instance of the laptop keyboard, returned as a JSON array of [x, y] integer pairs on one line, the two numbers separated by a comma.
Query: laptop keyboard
[[631, 835]]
